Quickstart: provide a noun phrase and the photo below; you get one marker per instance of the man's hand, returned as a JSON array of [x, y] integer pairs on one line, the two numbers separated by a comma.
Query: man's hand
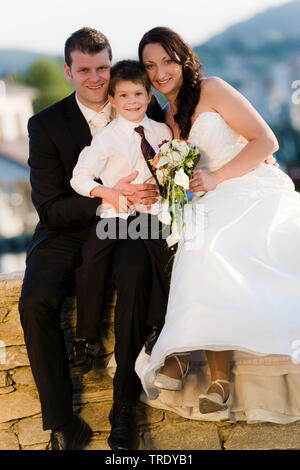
[[137, 194], [202, 181], [125, 194]]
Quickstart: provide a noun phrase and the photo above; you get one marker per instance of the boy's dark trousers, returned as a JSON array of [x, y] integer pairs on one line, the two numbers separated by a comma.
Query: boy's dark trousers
[[142, 292]]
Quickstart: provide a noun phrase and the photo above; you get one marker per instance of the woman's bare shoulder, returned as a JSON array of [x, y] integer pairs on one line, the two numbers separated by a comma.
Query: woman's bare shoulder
[[210, 84]]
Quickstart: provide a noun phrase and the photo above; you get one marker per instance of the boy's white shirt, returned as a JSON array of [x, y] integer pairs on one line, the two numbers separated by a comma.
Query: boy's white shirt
[[114, 153]]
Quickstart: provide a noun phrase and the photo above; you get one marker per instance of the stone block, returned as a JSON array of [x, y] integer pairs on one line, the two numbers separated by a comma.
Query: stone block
[[15, 356], [264, 436], [188, 435], [23, 376], [5, 379], [30, 432], [6, 426], [9, 389], [99, 377], [10, 286], [8, 441], [96, 415], [43, 446], [171, 417], [97, 444], [92, 395], [4, 311], [145, 415], [19, 404], [11, 330]]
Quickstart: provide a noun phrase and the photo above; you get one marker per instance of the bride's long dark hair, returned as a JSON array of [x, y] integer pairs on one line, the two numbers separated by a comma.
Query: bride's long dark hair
[[179, 51]]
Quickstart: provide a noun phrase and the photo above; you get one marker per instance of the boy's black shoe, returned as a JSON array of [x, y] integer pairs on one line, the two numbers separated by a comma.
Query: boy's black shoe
[[81, 357]]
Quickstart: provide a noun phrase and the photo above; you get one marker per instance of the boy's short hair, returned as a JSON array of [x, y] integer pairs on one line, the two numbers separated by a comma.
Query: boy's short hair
[[128, 70], [88, 41]]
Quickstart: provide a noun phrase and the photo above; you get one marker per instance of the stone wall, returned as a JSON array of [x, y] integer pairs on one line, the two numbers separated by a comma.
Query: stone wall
[[20, 413]]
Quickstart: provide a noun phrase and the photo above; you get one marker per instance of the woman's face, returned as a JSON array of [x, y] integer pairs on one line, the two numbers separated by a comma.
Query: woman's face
[[164, 74]]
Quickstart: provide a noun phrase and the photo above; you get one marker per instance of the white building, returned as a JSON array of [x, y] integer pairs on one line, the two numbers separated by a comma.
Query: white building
[[15, 110]]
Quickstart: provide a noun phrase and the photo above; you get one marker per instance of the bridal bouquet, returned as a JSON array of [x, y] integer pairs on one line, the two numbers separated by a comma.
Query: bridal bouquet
[[173, 166]]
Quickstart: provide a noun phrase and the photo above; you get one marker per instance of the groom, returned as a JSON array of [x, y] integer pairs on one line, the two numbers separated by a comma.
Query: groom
[[57, 136]]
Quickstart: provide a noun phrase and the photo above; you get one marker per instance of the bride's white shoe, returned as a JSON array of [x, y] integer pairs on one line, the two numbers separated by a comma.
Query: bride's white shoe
[[213, 402], [168, 383]]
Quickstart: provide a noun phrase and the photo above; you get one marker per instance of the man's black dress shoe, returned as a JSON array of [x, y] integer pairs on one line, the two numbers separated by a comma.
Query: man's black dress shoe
[[124, 435], [72, 436], [81, 357], [152, 338]]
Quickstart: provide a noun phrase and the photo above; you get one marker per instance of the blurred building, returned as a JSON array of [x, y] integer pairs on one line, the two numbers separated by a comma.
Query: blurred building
[[17, 214], [15, 110]]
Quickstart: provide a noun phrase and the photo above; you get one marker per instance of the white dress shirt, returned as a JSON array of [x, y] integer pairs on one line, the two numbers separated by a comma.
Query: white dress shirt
[[97, 120], [114, 153]]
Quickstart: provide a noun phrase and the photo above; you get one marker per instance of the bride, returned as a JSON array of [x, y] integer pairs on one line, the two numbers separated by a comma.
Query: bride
[[232, 329]]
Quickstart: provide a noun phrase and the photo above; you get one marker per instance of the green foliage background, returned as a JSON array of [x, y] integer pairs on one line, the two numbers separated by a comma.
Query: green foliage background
[[48, 77]]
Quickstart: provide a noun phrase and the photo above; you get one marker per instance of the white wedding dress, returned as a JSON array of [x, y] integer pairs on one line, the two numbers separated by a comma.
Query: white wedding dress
[[239, 290]]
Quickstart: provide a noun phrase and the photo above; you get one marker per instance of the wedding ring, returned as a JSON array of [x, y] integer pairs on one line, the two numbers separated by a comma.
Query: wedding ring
[[141, 200]]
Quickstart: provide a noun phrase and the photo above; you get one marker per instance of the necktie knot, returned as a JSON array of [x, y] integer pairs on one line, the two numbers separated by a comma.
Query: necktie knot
[[140, 130]]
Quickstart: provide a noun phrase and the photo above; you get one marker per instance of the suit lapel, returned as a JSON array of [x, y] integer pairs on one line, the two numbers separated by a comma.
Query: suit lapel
[[77, 124]]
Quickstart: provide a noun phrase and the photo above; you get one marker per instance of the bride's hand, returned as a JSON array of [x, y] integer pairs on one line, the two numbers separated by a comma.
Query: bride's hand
[[202, 181], [271, 161]]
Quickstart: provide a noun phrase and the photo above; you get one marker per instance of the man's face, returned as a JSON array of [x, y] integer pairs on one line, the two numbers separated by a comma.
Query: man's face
[[90, 75]]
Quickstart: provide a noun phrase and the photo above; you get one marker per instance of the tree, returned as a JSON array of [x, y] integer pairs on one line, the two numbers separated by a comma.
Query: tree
[[47, 76]]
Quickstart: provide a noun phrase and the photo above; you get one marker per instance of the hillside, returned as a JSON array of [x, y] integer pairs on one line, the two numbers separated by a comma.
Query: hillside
[[275, 25], [14, 61]]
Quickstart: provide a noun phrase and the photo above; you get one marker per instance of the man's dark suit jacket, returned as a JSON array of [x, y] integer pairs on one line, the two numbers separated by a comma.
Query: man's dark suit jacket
[[56, 137]]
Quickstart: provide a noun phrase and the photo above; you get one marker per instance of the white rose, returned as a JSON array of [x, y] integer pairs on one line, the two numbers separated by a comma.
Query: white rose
[[182, 147], [182, 179], [165, 148], [176, 157]]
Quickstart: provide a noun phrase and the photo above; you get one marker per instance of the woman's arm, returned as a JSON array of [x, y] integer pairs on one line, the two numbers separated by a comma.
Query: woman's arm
[[246, 121]]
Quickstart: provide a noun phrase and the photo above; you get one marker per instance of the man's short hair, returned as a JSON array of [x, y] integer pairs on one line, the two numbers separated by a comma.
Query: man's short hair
[[88, 41], [128, 70]]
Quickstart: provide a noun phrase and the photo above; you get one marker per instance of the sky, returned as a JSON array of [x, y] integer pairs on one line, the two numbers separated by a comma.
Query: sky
[[44, 25]]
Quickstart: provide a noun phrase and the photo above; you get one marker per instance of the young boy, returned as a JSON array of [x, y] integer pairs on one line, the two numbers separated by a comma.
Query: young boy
[[123, 146]]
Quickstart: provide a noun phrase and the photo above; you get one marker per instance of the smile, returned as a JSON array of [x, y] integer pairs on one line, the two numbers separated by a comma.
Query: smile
[[163, 82], [95, 87]]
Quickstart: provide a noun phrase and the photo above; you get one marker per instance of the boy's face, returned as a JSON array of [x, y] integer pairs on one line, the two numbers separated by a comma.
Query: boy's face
[[131, 100], [90, 75]]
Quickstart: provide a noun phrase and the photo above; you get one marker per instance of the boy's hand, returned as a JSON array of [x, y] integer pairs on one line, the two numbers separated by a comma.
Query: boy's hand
[[116, 200]]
